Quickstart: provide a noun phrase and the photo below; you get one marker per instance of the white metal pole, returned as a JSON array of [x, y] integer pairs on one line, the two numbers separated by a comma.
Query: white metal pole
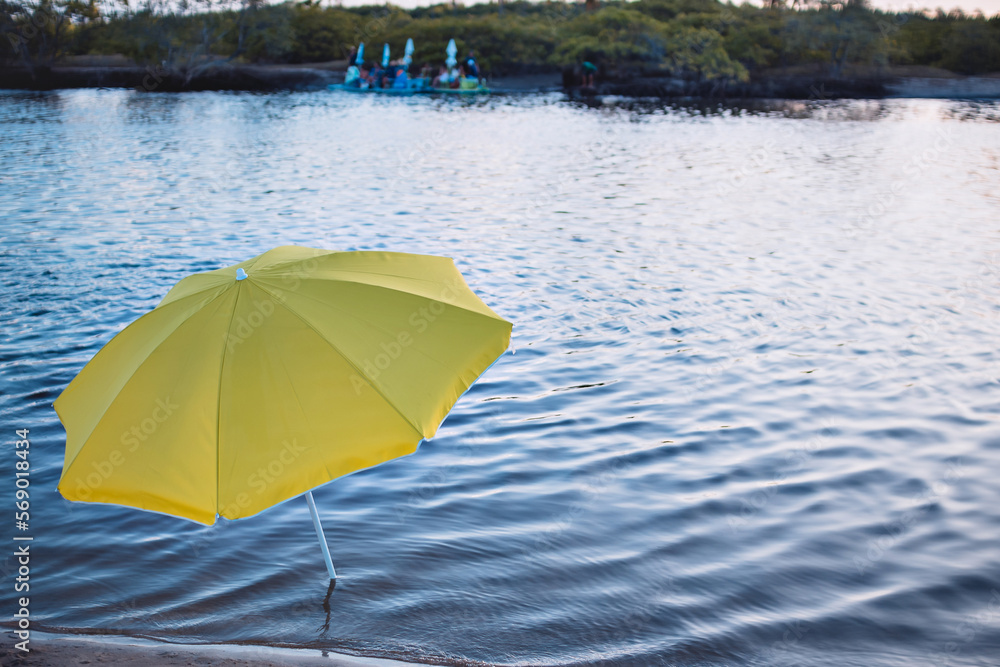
[[320, 535]]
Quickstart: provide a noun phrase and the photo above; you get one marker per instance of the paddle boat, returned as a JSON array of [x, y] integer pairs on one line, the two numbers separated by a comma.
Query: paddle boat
[[406, 85], [418, 86]]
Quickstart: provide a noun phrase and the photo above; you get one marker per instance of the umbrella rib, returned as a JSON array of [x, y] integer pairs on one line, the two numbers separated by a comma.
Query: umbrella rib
[[419, 351], [218, 405], [494, 316], [343, 356], [285, 264], [278, 267]]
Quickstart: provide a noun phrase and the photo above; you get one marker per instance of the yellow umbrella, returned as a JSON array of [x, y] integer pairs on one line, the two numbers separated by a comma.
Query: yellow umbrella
[[257, 382]]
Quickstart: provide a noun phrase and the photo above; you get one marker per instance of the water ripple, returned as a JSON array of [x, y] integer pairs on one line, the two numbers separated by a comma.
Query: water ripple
[[751, 418]]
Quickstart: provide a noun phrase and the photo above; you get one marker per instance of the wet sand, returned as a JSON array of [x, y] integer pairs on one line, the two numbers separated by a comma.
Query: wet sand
[[54, 650]]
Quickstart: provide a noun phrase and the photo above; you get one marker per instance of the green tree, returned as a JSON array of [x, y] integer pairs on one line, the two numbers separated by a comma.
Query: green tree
[[37, 32], [971, 47], [700, 52], [614, 37], [322, 34]]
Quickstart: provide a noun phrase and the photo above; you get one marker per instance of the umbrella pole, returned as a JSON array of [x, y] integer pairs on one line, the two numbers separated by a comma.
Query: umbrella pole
[[320, 535]]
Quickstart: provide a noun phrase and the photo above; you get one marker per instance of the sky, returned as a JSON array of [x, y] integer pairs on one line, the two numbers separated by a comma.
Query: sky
[[988, 7]]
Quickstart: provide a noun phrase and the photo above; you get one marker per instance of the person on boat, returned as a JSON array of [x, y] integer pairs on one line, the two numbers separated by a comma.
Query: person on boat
[[443, 78], [401, 80], [386, 75], [457, 77], [375, 78], [364, 76], [470, 65], [468, 83], [396, 68], [352, 77]]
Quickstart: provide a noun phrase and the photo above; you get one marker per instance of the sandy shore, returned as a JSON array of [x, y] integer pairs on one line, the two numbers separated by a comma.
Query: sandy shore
[[52, 650]]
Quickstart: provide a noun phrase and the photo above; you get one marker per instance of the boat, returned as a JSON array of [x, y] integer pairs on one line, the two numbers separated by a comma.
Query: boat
[[414, 87]]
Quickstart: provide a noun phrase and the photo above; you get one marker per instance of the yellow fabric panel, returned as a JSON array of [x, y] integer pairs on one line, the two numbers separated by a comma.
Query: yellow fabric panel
[[282, 255], [155, 445], [200, 282], [83, 403], [291, 417], [421, 354], [423, 275], [224, 277]]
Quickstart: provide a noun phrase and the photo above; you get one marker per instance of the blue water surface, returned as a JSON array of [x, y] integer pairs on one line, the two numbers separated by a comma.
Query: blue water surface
[[752, 417]]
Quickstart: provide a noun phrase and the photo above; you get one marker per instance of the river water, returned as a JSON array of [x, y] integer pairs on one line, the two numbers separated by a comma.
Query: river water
[[750, 416]]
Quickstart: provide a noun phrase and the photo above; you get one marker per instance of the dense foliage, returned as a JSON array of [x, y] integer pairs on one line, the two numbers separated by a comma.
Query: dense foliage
[[704, 39]]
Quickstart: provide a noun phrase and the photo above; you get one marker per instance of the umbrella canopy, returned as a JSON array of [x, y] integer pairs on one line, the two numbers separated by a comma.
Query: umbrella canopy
[[452, 51], [257, 382], [408, 52], [385, 56]]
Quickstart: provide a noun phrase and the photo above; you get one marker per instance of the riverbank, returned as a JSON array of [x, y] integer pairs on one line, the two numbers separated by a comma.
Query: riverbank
[[57, 650], [157, 79], [810, 83], [788, 83]]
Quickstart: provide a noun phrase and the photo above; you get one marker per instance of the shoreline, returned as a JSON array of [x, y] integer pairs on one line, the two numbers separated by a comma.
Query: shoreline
[[65, 650], [925, 83]]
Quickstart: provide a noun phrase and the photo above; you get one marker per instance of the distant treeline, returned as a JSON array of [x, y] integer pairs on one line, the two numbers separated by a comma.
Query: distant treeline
[[702, 39]]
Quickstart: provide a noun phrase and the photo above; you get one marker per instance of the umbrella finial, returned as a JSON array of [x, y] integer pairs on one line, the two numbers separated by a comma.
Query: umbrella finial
[[241, 274]]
